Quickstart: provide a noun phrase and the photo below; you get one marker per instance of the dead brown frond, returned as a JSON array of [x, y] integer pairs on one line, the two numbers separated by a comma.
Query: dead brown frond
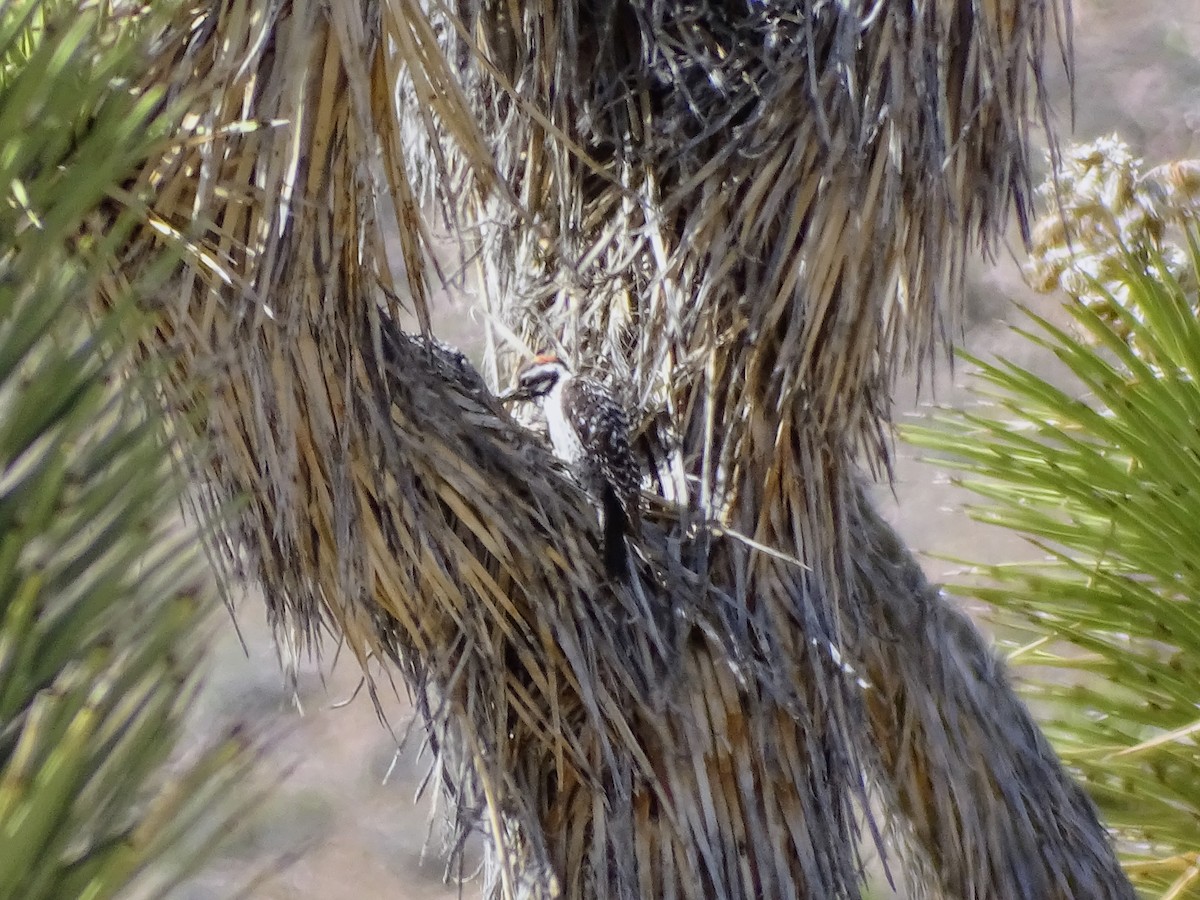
[[752, 214]]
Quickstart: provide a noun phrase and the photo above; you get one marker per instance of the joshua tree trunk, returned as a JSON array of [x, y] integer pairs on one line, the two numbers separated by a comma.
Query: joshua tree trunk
[[746, 214]]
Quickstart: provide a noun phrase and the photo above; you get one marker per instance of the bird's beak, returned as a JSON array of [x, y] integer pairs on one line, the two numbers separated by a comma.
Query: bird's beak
[[514, 393]]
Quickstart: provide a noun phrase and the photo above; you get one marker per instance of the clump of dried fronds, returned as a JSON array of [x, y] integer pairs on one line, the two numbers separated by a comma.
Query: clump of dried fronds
[[752, 215], [748, 213]]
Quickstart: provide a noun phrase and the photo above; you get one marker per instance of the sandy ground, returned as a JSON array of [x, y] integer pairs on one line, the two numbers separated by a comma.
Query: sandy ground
[[346, 834]]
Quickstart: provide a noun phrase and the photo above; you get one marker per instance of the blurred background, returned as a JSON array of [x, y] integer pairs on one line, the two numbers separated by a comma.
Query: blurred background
[[339, 827]]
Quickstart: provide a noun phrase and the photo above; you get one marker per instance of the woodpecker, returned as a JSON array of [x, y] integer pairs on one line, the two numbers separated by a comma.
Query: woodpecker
[[590, 433]]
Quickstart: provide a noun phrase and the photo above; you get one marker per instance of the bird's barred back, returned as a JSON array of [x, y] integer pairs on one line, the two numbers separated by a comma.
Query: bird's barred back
[[603, 429]]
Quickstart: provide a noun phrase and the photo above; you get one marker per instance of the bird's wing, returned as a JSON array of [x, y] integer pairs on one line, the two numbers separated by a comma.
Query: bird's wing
[[603, 429]]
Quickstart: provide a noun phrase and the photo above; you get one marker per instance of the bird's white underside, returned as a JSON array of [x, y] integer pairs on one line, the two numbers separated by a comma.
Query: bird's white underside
[[566, 443]]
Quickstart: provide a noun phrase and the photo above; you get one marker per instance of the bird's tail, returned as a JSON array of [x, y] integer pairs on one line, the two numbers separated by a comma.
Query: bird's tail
[[616, 526]]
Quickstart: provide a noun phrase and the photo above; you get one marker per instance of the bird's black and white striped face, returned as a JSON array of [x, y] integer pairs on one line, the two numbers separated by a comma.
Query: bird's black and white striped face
[[539, 378], [547, 382]]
